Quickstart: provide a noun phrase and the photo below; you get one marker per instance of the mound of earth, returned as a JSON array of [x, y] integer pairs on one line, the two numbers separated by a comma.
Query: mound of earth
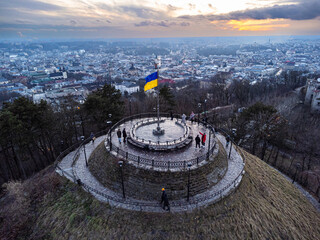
[[265, 206]]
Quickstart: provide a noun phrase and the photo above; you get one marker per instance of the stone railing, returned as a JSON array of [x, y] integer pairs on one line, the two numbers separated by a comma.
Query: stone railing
[[180, 142]]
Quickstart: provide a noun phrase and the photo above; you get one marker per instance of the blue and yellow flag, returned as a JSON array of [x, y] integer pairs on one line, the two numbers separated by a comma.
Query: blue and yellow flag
[[151, 81]]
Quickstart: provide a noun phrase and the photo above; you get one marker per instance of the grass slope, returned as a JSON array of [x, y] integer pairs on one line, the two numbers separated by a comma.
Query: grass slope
[[265, 206], [105, 169]]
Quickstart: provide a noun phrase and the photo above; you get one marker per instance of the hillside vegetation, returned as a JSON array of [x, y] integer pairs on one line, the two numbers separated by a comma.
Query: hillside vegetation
[[265, 206]]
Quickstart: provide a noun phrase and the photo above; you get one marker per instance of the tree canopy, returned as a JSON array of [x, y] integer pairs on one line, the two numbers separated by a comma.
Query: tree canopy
[[103, 102]]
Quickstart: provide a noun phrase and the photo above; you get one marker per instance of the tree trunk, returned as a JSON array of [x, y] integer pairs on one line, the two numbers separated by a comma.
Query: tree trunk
[[271, 152], [303, 160], [254, 145], [276, 158], [42, 149], [22, 173], [33, 158], [7, 162], [309, 163], [264, 148], [292, 159]]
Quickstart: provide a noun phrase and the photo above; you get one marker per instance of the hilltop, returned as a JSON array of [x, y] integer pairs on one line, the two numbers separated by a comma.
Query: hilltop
[[264, 206]]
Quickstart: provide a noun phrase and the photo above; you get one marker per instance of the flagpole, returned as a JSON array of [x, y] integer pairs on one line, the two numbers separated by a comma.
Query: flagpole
[[158, 107], [158, 131]]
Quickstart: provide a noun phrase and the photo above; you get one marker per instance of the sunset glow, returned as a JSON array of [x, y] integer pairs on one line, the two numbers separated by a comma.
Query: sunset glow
[[149, 18], [257, 25]]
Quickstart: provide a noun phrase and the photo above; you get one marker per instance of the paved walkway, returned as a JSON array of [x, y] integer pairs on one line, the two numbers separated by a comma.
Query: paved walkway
[[220, 190], [187, 153]]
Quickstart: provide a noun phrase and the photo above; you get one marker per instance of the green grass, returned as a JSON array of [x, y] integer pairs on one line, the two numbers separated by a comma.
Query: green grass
[[105, 169], [265, 206]]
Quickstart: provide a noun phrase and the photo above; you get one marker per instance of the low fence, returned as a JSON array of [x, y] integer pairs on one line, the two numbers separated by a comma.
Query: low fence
[[74, 147], [134, 137], [160, 163], [238, 149]]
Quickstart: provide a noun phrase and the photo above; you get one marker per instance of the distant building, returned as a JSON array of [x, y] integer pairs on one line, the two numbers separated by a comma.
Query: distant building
[[55, 96], [58, 75], [127, 87], [3, 81], [313, 95], [289, 65]]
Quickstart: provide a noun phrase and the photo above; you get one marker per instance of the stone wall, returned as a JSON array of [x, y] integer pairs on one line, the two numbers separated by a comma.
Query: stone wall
[[146, 184]]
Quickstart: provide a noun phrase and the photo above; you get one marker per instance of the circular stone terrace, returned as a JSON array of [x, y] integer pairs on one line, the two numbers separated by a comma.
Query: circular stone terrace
[[73, 166], [173, 151]]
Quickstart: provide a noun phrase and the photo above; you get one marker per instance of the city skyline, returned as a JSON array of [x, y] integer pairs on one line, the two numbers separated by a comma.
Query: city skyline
[[34, 19]]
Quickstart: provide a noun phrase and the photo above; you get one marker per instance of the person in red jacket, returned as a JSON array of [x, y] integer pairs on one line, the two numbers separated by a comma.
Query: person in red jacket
[[203, 138]]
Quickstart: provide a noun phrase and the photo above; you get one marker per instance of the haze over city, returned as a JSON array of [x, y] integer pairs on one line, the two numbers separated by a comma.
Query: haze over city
[[35, 19]]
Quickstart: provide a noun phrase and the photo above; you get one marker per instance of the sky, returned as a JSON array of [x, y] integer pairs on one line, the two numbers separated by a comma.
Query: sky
[[45, 19]]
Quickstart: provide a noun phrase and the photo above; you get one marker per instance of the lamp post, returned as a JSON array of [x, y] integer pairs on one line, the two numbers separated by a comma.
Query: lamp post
[[61, 146], [130, 107], [120, 165], [230, 148], [109, 123], [295, 174], [233, 133], [189, 169], [199, 106], [205, 109], [209, 142], [84, 150]]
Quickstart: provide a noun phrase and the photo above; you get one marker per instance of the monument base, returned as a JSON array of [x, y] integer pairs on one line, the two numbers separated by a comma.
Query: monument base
[[158, 131]]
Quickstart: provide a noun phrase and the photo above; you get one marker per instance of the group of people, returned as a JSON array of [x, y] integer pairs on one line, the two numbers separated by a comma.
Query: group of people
[[124, 135], [203, 140]]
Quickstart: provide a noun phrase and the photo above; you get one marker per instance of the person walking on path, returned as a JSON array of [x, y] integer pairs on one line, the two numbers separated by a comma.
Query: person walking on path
[[171, 115], [191, 117], [183, 117], [203, 139], [197, 141], [124, 134], [92, 137], [164, 200], [227, 140], [119, 135]]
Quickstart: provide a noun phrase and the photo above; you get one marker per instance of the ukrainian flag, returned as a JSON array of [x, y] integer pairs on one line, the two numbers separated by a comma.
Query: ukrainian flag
[[151, 81]]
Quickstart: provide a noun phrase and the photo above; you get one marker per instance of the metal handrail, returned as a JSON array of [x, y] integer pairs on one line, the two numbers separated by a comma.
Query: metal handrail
[[77, 146]]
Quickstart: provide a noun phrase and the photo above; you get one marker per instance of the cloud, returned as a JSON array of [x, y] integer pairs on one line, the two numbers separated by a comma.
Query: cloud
[[61, 31], [30, 4], [73, 22], [20, 34], [34, 27], [299, 11], [172, 8], [133, 11], [184, 24], [161, 24], [141, 12], [192, 6]]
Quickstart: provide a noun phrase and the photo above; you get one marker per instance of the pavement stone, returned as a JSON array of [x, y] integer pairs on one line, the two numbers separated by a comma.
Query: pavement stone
[[187, 153]]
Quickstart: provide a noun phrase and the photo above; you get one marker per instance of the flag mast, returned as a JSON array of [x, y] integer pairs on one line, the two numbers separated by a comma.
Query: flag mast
[[158, 105], [158, 131]]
